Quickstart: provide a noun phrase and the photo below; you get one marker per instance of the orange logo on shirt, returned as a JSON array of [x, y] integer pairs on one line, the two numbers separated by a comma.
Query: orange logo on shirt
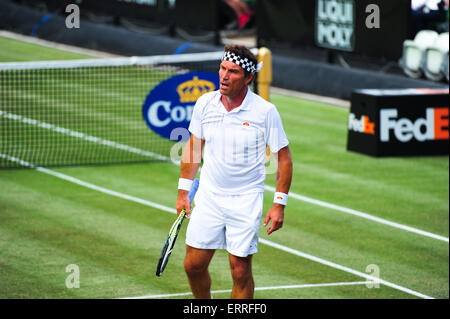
[[246, 124]]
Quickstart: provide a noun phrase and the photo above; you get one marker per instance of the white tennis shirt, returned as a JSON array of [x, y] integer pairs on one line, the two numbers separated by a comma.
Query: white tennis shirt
[[235, 142]]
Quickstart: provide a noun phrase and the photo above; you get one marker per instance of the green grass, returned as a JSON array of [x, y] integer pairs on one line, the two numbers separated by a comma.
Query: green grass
[[47, 223], [18, 51]]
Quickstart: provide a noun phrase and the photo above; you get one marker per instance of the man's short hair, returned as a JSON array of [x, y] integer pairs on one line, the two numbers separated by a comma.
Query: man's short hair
[[243, 52]]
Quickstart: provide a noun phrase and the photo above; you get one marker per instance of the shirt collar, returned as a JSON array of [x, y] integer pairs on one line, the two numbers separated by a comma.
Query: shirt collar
[[245, 105]]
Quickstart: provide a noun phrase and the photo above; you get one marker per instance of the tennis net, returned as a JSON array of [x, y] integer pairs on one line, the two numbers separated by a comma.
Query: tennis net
[[80, 112]]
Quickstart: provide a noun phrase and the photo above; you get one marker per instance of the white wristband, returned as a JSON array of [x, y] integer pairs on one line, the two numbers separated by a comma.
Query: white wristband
[[280, 198], [185, 184]]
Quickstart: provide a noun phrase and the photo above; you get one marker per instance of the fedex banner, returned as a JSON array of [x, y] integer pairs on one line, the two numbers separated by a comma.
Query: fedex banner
[[399, 122], [433, 126]]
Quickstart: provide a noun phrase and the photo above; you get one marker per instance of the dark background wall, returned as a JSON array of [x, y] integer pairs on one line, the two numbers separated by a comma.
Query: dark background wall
[[294, 23], [291, 71]]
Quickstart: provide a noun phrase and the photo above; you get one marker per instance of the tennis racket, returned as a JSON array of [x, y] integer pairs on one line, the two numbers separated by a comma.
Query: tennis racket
[[173, 233]]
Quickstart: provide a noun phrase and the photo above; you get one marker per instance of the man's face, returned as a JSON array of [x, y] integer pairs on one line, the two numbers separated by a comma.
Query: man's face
[[232, 79]]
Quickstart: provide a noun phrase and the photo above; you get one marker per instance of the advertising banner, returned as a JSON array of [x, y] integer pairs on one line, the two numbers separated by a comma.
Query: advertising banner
[[335, 24], [167, 110], [399, 122]]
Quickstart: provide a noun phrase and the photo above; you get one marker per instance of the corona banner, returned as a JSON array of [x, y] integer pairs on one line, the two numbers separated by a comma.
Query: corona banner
[[169, 105]]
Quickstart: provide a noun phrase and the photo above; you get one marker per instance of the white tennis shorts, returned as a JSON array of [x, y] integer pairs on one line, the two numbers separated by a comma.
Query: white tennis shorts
[[228, 222]]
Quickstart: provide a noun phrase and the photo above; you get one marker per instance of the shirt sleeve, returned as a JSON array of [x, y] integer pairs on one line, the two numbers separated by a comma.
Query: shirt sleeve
[[195, 126], [275, 137]]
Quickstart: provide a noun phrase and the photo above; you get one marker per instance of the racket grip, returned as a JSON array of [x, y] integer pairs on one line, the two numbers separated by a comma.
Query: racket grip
[[193, 190]]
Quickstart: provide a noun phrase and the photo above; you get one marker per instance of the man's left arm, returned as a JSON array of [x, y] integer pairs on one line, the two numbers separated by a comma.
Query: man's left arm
[[276, 213]]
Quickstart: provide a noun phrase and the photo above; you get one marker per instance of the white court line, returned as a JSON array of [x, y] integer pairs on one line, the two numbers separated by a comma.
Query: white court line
[[362, 215], [80, 135], [266, 187], [334, 284], [343, 268], [172, 210]]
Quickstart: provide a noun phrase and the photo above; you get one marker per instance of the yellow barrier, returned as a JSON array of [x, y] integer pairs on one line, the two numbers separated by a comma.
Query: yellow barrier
[[265, 79], [265, 74]]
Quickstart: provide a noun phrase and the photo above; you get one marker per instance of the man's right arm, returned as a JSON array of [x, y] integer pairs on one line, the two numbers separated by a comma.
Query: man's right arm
[[190, 163]]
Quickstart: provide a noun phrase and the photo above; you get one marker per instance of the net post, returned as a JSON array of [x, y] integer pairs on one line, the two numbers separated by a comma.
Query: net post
[[265, 79], [265, 74]]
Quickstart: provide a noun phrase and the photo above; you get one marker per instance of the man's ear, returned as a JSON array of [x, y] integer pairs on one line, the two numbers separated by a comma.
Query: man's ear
[[250, 78]]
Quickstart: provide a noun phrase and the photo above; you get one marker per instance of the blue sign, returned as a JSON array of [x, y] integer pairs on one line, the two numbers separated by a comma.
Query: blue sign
[[170, 104]]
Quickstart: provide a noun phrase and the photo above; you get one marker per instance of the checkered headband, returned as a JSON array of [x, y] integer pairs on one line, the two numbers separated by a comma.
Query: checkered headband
[[244, 63]]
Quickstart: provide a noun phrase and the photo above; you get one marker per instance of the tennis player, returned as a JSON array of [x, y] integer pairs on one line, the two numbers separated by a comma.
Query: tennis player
[[232, 127]]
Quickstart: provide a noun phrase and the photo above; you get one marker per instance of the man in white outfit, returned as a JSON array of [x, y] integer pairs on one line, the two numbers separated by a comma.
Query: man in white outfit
[[232, 126]]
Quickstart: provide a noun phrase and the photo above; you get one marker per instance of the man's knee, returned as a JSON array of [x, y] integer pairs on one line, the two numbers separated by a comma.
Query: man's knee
[[197, 260], [194, 266], [241, 270], [241, 274]]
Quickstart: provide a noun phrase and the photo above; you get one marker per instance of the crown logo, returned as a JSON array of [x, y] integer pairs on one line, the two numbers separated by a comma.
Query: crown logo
[[190, 91]]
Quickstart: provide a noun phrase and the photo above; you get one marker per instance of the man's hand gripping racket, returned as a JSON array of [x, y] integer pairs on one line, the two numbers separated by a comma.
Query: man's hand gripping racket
[[173, 233]]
